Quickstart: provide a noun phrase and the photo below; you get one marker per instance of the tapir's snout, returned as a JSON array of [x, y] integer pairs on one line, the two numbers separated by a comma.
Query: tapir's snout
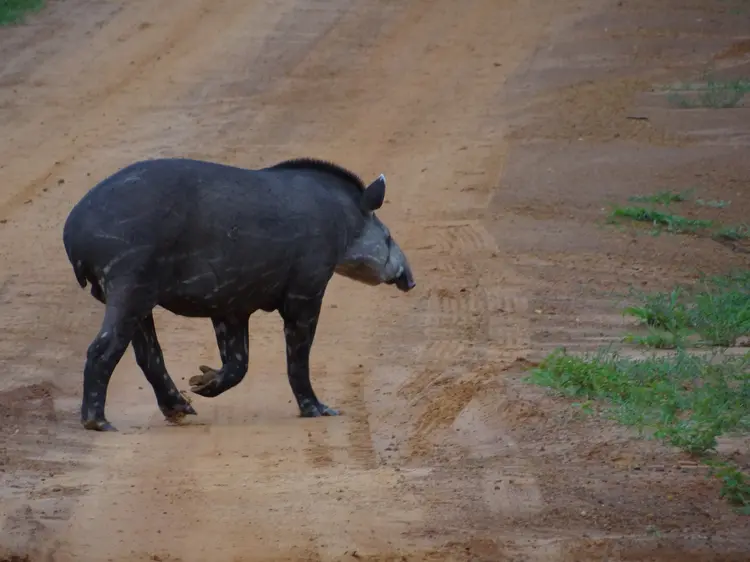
[[405, 280]]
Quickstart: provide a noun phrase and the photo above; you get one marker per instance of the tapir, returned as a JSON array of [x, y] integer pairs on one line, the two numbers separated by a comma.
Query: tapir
[[209, 240]]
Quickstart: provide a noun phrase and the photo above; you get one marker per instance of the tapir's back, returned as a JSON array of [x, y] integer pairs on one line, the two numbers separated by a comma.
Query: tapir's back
[[208, 224], [176, 197]]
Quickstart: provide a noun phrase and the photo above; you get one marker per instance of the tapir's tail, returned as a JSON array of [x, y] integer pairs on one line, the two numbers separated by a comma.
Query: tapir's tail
[[80, 271], [83, 277], [79, 267]]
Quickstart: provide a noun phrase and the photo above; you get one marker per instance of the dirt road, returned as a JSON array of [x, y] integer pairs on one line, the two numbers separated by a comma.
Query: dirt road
[[493, 121]]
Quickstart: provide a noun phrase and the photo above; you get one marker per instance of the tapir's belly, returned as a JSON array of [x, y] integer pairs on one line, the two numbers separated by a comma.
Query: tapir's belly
[[201, 307], [220, 299], [207, 293]]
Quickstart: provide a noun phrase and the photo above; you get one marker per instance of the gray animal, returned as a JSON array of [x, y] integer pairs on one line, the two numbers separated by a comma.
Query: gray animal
[[208, 240]]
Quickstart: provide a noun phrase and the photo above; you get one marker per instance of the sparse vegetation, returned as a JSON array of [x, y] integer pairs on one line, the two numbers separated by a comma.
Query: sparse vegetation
[[716, 204], [716, 312], [733, 233], [658, 339], [13, 11], [663, 221], [661, 198], [675, 224], [712, 94], [735, 486], [686, 399]]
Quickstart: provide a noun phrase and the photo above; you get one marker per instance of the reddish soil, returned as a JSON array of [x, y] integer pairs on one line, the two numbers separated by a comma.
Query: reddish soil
[[505, 128]]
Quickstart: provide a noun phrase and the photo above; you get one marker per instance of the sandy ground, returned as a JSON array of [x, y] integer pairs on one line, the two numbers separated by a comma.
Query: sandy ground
[[505, 127]]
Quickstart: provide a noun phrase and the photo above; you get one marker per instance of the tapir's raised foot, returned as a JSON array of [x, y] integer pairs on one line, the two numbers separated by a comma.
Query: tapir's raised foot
[[309, 409], [98, 425], [208, 383]]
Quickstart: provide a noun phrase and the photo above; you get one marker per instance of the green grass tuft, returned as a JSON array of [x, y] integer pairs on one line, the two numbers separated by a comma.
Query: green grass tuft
[[733, 233], [658, 339], [714, 94], [675, 224], [13, 11], [716, 312], [664, 311], [735, 487], [662, 221], [661, 198], [715, 204], [687, 400]]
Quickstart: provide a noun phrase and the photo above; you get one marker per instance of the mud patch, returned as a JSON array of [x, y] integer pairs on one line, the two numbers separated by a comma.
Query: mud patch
[[15, 558], [26, 405], [36, 448]]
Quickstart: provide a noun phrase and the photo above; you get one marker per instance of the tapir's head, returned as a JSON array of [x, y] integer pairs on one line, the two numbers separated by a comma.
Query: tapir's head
[[374, 257]]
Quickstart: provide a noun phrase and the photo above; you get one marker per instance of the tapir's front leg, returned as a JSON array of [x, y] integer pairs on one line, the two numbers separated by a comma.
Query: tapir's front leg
[[232, 339], [300, 316]]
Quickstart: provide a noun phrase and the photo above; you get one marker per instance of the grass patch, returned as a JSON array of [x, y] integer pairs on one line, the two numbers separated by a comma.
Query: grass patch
[[13, 11], [661, 198], [675, 224], [664, 221], [686, 400], [715, 312], [713, 94], [714, 204], [733, 233], [658, 339], [735, 484]]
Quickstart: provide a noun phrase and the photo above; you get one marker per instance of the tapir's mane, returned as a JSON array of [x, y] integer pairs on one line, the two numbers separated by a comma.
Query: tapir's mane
[[323, 166]]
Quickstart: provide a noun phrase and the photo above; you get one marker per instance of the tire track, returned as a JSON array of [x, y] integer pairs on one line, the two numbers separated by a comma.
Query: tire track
[[460, 238], [463, 327]]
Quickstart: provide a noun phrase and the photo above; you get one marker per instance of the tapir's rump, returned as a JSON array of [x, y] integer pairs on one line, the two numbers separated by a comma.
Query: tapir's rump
[[204, 239]]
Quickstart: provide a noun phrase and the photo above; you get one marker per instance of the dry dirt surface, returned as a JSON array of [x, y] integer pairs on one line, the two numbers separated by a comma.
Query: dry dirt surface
[[504, 127]]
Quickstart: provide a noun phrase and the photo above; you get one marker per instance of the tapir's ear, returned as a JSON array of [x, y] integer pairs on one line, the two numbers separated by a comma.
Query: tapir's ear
[[374, 194]]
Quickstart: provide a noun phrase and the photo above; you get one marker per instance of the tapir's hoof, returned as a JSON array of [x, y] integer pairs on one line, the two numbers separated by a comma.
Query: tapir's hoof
[[207, 383], [328, 411], [178, 411], [207, 375], [98, 425], [317, 410]]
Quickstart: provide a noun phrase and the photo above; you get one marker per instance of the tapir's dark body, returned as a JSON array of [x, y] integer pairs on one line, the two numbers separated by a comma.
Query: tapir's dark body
[[208, 240]]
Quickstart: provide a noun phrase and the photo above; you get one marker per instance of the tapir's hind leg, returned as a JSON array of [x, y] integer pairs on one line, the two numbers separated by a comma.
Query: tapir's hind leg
[[232, 338], [127, 301], [150, 359], [102, 357]]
